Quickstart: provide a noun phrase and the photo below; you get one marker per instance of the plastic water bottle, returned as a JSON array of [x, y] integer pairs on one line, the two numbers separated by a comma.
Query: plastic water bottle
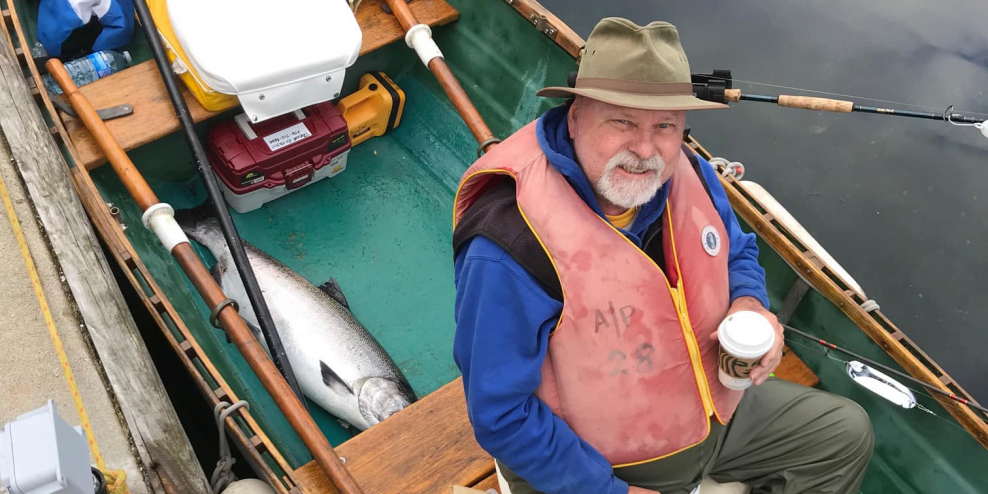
[[90, 68]]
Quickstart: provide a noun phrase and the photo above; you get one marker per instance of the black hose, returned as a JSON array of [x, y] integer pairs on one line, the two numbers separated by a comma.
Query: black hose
[[268, 329], [99, 482]]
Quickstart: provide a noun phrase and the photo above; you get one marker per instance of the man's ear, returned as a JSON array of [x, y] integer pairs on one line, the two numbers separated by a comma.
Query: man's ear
[[571, 115]]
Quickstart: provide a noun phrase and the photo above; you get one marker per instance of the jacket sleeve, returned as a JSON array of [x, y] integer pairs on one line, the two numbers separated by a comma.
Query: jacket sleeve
[[503, 320], [746, 276]]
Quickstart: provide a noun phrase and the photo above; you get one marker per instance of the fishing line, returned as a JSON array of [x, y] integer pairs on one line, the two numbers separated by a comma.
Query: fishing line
[[936, 108], [826, 352]]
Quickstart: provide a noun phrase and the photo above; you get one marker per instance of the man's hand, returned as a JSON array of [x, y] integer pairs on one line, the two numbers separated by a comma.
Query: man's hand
[[773, 358], [640, 490]]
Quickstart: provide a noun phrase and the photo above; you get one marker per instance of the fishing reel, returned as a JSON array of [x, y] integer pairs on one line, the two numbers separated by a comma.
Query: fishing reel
[[711, 87]]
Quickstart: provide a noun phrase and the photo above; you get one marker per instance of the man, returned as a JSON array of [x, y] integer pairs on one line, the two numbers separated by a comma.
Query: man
[[595, 257]]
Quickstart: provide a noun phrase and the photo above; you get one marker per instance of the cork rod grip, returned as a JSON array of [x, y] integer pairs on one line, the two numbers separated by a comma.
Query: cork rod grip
[[818, 104]]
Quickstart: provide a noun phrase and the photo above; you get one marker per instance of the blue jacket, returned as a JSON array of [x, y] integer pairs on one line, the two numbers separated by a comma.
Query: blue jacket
[[503, 320]]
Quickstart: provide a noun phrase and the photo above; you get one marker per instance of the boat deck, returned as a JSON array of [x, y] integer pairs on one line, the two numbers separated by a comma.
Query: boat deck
[[31, 369]]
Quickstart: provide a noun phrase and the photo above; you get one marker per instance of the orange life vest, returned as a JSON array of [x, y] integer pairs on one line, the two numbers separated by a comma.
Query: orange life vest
[[630, 366]]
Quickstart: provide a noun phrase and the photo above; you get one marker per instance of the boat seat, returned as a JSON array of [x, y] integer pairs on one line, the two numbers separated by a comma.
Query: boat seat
[[274, 60], [707, 486]]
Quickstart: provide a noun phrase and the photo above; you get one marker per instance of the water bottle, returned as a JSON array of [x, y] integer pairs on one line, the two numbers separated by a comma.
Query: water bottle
[[90, 68]]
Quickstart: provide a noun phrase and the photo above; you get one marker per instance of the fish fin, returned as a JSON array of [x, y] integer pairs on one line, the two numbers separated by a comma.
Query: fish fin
[[189, 218], [332, 288], [331, 379], [217, 273]]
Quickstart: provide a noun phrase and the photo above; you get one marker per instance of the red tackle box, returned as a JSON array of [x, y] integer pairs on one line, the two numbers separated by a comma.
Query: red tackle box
[[259, 162]]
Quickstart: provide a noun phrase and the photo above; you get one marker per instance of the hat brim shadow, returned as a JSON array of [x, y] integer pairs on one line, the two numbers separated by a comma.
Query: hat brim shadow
[[635, 100]]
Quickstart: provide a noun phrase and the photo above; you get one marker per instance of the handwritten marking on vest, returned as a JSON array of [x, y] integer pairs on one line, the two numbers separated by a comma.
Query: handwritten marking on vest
[[601, 319], [643, 356]]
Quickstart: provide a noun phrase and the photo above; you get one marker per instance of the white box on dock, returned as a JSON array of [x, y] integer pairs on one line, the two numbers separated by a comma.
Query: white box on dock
[[40, 453]]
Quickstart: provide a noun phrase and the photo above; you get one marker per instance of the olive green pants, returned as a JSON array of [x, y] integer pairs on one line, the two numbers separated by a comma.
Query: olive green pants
[[784, 439]]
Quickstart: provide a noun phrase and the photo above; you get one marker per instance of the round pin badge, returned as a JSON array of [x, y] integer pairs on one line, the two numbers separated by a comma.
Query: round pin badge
[[711, 240]]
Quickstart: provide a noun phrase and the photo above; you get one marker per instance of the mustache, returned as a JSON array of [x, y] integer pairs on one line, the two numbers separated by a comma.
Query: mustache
[[633, 162]]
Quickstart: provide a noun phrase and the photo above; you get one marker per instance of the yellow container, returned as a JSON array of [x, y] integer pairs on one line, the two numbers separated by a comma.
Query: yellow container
[[208, 97], [374, 109]]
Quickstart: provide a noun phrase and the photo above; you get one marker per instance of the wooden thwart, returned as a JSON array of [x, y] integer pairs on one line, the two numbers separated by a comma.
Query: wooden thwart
[[154, 116], [429, 447], [425, 448]]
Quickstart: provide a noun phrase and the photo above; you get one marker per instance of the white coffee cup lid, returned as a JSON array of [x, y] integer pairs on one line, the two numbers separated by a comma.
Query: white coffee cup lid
[[746, 334]]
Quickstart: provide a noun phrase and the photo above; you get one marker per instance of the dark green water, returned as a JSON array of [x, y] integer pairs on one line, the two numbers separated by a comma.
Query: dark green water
[[899, 203]]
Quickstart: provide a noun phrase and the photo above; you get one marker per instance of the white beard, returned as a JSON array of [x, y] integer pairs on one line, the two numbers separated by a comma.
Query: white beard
[[628, 192]]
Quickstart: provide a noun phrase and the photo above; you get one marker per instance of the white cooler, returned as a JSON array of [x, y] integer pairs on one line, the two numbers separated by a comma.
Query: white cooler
[[275, 57]]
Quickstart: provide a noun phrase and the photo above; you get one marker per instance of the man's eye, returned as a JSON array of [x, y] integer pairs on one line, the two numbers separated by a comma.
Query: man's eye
[[622, 122], [665, 125]]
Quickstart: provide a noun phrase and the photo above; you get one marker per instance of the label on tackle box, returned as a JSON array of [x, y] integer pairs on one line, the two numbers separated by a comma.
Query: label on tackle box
[[287, 137]]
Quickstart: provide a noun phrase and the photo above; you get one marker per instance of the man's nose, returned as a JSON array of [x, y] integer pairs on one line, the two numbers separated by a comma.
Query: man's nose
[[643, 147]]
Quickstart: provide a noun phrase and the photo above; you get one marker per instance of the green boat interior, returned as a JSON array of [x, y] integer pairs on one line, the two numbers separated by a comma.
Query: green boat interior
[[382, 229]]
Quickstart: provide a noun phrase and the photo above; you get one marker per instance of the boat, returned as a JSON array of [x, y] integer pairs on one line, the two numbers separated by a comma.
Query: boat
[[382, 229]]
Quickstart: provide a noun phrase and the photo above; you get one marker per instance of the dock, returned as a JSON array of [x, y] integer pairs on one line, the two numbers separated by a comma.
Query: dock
[[69, 335], [32, 369]]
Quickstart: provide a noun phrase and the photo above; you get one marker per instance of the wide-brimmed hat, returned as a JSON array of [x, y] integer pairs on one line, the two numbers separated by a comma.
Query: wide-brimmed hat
[[635, 66]]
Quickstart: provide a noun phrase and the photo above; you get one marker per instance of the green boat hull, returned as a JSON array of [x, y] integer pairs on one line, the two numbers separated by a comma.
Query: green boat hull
[[382, 229]]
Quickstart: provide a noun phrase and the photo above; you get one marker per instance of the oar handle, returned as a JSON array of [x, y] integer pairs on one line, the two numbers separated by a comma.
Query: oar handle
[[437, 64], [816, 104]]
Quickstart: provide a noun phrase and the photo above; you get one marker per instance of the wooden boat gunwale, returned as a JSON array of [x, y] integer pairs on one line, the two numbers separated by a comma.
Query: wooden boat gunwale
[[874, 323]]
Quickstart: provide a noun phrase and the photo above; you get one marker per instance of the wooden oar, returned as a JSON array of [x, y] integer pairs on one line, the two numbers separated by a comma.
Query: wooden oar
[[160, 220], [419, 36]]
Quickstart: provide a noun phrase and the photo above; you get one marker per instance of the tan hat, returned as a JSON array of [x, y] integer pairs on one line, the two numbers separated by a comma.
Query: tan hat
[[639, 67]]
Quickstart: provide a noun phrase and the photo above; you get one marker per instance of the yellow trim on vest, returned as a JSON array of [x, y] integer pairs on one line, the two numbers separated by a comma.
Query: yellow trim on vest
[[708, 401]]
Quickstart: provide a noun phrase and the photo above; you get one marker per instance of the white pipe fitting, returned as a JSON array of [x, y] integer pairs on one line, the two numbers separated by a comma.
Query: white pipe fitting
[[160, 219], [419, 37]]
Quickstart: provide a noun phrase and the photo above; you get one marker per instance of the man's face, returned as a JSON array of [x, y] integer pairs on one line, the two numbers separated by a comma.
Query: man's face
[[625, 152]]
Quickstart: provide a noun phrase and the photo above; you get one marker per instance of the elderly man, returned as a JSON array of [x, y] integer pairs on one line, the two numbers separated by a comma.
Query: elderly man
[[595, 257]]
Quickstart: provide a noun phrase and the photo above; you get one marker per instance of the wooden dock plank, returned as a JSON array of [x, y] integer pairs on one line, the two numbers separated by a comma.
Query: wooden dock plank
[[154, 117]]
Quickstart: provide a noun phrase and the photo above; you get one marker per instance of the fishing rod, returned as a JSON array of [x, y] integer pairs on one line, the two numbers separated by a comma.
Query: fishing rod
[[264, 319], [717, 87], [831, 346]]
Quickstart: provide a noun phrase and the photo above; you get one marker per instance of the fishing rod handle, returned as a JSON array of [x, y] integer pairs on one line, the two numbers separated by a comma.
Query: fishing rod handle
[[816, 104], [115, 154]]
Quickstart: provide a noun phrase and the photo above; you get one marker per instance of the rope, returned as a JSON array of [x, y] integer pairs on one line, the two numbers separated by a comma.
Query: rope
[[223, 474], [729, 167], [50, 323], [870, 305]]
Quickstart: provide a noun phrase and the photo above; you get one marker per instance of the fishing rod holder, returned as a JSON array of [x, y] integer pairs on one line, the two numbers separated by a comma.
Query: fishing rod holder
[[711, 87]]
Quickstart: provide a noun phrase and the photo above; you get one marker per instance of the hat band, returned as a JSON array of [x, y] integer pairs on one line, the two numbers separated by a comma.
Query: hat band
[[636, 87]]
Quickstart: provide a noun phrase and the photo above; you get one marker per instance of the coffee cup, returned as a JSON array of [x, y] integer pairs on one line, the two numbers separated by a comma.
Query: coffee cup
[[745, 337]]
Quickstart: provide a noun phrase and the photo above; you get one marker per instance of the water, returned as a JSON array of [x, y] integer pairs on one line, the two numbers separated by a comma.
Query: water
[[90, 68], [900, 203]]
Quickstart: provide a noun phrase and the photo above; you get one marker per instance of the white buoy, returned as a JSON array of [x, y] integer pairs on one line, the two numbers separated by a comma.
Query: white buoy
[[249, 486]]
